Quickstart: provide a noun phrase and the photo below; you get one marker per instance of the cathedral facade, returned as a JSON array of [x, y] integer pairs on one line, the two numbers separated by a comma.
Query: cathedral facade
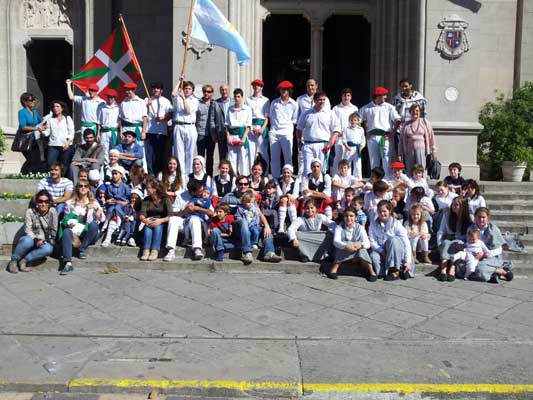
[[458, 53]]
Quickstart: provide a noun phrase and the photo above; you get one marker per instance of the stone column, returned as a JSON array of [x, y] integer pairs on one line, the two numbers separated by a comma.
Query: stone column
[[317, 33]]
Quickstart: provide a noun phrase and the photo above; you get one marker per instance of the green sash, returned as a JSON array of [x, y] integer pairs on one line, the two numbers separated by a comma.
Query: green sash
[[91, 125], [114, 134], [136, 125], [357, 147], [381, 143], [240, 132], [260, 122]]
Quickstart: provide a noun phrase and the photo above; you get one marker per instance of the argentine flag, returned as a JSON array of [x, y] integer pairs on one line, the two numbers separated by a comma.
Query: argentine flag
[[211, 26]]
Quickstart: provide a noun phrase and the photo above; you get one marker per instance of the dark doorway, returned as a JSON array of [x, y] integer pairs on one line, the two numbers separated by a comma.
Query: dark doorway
[[286, 52], [347, 58], [49, 63], [346, 63]]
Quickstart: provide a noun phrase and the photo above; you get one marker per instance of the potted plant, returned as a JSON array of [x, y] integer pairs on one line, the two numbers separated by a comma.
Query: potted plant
[[506, 140], [3, 148]]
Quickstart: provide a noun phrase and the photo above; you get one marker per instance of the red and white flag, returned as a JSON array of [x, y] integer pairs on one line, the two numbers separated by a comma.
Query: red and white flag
[[113, 65]]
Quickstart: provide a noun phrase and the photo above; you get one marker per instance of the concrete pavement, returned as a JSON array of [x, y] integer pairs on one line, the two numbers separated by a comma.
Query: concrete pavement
[[263, 335]]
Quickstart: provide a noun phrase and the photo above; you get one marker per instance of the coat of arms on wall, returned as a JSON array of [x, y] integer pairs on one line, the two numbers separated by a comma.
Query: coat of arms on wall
[[452, 41]]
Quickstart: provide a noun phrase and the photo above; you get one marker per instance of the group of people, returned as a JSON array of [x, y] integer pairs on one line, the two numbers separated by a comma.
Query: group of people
[[121, 191]]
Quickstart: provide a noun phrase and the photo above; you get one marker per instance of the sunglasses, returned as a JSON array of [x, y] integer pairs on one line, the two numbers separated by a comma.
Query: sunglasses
[[207, 91], [40, 201], [243, 183], [83, 186]]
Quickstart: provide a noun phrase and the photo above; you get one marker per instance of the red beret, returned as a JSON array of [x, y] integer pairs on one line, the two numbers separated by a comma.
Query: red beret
[[397, 165], [285, 85], [111, 93], [130, 85], [258, 82], [380, 91], [93, 86]]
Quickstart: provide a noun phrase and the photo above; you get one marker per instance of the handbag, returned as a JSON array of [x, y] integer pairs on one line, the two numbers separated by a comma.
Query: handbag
[[433, 167], [22, 142]]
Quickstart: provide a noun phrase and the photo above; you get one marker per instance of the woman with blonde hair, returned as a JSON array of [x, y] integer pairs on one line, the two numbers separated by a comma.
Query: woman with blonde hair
[[80, 225]]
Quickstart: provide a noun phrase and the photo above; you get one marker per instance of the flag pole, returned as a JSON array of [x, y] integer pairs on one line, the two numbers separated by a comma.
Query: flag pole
[[187, 40], [136, 62]]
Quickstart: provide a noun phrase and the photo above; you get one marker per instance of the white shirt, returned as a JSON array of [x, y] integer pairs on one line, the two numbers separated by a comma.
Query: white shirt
[[306, 102], [283, 116], [362, 237], [179, 110], [133, 110], [237, 117], [378, 235], [347, 180], [260, 106], [88, 108], [284, 187], [60, 131], [355, 135], [318, 125], [445, 202], [424, 201], [326, 180], [300, 222], [162, 106], [343, 113], [108, 115], [475, 203], [372, 200], [380, 116]]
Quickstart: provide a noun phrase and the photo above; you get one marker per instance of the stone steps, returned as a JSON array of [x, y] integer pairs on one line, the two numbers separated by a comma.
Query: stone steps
[[504, 195], [511, 205], [513, 215]]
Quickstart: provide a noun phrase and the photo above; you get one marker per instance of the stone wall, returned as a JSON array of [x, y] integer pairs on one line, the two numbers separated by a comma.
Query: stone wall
[[475, 77], [526, 61]]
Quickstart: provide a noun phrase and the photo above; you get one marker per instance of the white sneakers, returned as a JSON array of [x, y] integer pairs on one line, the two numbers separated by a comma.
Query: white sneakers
[[170, 255]]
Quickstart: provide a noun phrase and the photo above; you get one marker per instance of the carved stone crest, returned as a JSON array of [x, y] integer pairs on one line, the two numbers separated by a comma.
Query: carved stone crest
[[452, 42], [45, 14], [196, 46]]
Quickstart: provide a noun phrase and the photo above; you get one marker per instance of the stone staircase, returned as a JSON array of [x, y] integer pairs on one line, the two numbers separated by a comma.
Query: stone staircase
[[511, 206]]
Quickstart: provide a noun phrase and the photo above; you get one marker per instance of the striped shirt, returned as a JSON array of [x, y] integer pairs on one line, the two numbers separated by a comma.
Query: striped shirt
[[56, 190]]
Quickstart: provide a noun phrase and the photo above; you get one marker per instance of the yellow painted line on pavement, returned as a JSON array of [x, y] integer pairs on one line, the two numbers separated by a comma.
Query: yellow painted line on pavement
[[407, 388], [403, 388], [176, 384]]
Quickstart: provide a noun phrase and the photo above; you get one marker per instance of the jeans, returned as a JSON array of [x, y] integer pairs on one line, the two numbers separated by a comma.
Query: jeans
[[60, 208], [220, 243], [250, 236], [154, 150], [26, 249], [152, 237], [56, 153], [88, 237], [206, 148]]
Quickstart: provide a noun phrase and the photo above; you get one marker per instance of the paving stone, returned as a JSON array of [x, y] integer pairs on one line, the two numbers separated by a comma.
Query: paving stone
[[420, 308], [358, 307], [445, 329], [65, 396], [521, 314], [496, 300], [383, 299], [266, 315], [397, 317]]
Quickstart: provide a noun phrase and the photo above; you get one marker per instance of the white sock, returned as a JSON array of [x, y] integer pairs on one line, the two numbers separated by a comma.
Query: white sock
[[293, 214], [111, 227], [282, 216]]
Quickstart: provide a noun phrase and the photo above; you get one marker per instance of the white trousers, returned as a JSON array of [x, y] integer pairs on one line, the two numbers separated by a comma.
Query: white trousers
[[175, 225], [355, 162], [257, 144], [422, 244], [310, 151], [376, 157], [280, 144], [339, 155], [471, 261], [105, 141], [185, 137], [238, 157]]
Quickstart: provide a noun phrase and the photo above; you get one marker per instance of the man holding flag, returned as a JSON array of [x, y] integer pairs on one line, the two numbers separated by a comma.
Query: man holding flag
[[133, 114]]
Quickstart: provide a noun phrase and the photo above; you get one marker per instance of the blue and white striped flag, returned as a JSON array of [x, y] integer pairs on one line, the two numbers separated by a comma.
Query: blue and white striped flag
[[211, 26]]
